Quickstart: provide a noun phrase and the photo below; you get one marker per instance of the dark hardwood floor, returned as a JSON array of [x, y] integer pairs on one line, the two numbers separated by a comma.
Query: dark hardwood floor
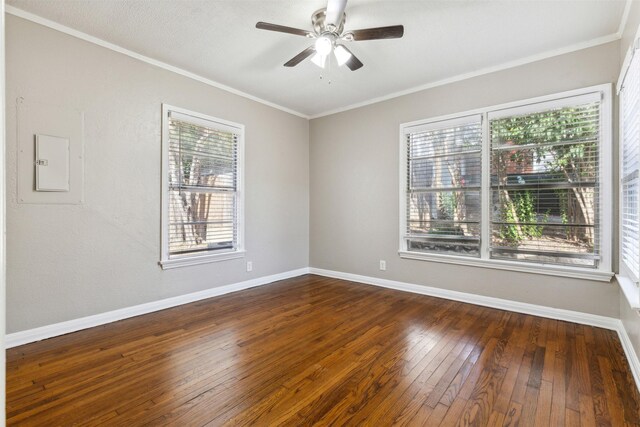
[[313, 350]]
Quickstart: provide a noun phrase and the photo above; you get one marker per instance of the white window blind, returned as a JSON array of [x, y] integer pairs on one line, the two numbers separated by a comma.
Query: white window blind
[[202, 186], [544, 168], [523, 186], [629, 173], [443, 187]]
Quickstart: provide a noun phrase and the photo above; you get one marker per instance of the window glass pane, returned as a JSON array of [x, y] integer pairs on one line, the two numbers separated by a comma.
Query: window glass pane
[[630, 244], [544, 186], [443, 194], [547, 229], [201, 221], [630, 105], [630, 173], [445, 221], [202, 187]]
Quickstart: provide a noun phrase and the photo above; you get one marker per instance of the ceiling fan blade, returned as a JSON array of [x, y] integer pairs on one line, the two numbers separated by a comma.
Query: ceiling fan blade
[[353, 63], [335, 10], [300, 57], [283, 29], [392, 32]]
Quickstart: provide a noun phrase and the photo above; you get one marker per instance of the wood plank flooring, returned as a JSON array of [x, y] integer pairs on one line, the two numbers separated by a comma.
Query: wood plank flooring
[[313, 350]]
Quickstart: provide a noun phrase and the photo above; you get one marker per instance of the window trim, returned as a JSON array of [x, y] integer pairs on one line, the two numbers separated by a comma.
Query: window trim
[[604, 271], [201, 258]]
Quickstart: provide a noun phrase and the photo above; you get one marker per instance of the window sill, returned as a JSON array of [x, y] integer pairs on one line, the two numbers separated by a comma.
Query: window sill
[[200, 259], [545, 269], [630, 291]]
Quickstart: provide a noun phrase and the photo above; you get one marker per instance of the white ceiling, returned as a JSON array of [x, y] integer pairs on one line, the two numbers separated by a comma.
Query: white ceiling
[[218, 40]]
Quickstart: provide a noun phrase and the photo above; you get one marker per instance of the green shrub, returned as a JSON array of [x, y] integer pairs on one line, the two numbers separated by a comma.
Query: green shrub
[[520, 212]]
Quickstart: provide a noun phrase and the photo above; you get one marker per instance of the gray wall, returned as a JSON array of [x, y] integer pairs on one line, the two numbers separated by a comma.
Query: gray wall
[[355, 194], [630, 318], [69, 261]]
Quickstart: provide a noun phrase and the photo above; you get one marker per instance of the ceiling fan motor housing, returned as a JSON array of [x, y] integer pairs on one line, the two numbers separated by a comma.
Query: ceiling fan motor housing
[[318, 20]]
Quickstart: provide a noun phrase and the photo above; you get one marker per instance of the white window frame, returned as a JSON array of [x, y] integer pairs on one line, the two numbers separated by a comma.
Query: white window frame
[[604, 270], [196, 259]]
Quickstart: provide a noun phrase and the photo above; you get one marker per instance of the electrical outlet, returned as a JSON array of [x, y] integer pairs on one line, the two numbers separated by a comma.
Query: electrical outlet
[[249, 266], [383, 265]]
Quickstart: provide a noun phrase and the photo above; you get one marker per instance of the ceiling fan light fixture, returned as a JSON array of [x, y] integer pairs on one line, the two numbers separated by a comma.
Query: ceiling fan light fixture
[[319, 60], [328, 30], [324, 45], [342, 54]]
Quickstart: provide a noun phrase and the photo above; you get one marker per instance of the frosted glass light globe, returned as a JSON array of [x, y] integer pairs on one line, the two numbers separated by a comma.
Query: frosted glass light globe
[[323, 45]]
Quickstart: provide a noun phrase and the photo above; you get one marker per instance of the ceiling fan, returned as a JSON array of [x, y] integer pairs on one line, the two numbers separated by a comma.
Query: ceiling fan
[[328, 32]]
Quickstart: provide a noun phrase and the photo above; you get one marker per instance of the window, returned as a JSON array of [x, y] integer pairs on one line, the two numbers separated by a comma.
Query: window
[[443, 193], [630, 171], [544, 184], [202, 188], [523, 186]]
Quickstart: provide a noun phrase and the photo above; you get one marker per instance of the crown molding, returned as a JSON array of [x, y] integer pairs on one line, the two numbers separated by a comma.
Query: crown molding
[[624, 18], [12, 10], [488, 70]]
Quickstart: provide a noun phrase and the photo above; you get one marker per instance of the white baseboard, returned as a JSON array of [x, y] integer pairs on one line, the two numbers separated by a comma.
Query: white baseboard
[[630, 352], [31, 335], [503, 304]]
